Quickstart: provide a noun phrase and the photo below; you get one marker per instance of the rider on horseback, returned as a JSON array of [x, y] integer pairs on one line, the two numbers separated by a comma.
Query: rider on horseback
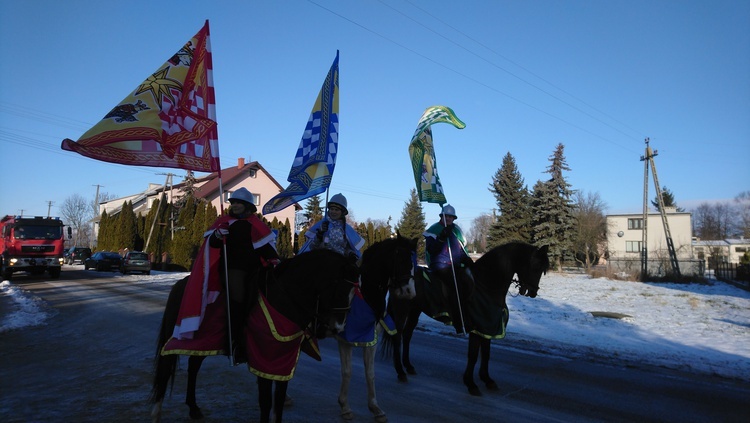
[[449, 262], [250, 245], [333, 233]]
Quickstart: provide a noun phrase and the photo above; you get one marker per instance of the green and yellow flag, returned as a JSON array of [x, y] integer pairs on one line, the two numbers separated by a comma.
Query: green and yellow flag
[[422, 153]]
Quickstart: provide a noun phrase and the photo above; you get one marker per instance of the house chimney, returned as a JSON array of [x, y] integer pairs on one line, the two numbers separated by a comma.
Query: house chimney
[[240, 163]]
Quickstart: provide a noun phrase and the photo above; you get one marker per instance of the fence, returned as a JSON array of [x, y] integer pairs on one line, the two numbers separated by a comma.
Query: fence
[[657, 267], [732, 272]]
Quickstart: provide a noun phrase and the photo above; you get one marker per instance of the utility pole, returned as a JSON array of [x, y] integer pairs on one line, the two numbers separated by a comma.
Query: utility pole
[[49, 207], [96, 213], [649, 159]]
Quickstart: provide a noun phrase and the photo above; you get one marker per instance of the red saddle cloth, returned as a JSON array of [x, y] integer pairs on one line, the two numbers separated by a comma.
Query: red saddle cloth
[[209, 339], [273, 342]]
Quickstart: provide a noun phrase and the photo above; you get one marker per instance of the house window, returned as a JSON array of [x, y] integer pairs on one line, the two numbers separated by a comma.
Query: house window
[[740, 249], [635, 223], [228, 195], [252, 173], [632, 246]]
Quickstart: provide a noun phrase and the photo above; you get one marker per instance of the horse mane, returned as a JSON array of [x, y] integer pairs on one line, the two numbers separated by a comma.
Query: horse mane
[[513, 248]]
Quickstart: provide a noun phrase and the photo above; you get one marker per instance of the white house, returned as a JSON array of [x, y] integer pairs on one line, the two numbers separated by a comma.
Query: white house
[[625, 242]]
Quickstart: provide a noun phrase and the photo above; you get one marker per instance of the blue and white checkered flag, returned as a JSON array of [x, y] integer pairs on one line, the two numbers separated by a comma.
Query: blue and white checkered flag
[[313, 165]]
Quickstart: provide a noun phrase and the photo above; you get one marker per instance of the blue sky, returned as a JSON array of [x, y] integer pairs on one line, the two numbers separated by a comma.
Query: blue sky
[[597, 76]]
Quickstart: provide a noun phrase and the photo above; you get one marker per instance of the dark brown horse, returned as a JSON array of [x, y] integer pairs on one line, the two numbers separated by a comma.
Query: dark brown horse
[[487, 311], [313, 286]]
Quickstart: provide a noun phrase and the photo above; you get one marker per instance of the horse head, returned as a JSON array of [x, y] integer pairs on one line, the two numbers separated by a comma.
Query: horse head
[[390, 265], [532, 271], [335, 291], [317, 286]]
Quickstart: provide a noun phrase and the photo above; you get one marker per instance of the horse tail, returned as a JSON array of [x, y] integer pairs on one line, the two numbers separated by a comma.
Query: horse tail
[[165, 366], [385, 349]]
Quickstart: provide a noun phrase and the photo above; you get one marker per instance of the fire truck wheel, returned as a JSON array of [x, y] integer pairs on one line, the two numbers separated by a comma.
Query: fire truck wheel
[[54, 273]]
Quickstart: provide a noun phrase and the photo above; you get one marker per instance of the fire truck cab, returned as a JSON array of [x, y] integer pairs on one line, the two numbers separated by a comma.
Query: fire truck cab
[[31, 244]]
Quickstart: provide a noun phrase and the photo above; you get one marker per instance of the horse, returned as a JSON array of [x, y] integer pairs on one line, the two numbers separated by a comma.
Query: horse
[[387, 268], [487, 310], [318, 285]]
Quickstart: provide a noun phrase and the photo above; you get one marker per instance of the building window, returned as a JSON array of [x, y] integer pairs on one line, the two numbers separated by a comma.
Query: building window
[[228, 195], [740, 249], [633, 246], [635, 223]]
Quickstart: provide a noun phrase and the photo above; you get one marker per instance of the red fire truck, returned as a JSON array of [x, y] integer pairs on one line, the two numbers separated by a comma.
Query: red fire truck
[[31, 244]]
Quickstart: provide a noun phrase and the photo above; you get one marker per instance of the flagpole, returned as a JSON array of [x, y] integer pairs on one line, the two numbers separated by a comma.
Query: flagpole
[[226, 278], [453, 270]]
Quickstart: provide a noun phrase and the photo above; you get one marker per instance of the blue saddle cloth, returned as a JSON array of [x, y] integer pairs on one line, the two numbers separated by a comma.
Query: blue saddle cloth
[[361, 324]]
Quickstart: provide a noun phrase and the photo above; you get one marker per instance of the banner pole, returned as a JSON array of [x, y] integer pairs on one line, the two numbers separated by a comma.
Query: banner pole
[[453, 271]]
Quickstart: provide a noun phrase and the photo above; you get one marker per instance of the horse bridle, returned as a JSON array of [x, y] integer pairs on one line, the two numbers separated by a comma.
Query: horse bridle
[[393, 281]]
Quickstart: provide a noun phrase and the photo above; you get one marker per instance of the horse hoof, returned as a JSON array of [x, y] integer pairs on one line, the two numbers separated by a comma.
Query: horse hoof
[[347, 415], [196, 414], [411, 371], [475, 392], [288, 401], [492, 386], [403, 378], [381, 418]]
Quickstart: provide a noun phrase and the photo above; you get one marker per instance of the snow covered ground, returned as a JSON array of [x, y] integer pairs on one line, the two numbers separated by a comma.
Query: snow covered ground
[[700, 328]]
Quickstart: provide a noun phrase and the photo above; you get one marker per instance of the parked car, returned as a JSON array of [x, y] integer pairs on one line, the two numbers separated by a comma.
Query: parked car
[[135, 261], [103, 260], [77, 254]]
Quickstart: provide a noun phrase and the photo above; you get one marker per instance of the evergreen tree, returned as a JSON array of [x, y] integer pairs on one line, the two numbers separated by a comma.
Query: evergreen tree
[[552, 211], [284, 238], [512, 199], [313, 212], [128, 228], [412, 223], [668, 198], [104, 231], [181, 248]]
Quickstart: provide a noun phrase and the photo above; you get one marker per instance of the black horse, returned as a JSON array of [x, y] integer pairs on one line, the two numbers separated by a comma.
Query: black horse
[[314, 286], [387, 269], [493, 274]]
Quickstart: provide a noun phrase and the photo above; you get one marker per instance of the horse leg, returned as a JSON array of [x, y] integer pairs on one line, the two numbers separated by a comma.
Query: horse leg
[[279, 396], [265, 387], [345, 354], [194, 365], [484, 366], [411, 324], [368, 356], [471, 361]]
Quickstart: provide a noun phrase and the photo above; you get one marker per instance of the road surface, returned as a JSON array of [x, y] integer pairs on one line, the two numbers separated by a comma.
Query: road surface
[[92, 362]]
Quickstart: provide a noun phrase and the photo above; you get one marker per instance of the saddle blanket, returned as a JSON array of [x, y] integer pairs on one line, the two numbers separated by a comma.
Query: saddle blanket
[[361, 324], [273, 344], [210, 339]]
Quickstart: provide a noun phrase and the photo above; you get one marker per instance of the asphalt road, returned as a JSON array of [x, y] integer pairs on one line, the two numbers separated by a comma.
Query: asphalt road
[[92, 362]]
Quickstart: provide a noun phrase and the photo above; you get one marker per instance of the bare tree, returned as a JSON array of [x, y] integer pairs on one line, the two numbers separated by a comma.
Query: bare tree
[[713, 221], [590, 230], [742, 206], [479, 232], [76, 213]]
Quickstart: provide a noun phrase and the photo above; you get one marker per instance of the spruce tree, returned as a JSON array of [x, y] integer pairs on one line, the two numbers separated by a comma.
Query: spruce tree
[[412, 223], [128, 228], [181, 248], [668, 198], [552, 209], [512, 199], [313, 212]]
